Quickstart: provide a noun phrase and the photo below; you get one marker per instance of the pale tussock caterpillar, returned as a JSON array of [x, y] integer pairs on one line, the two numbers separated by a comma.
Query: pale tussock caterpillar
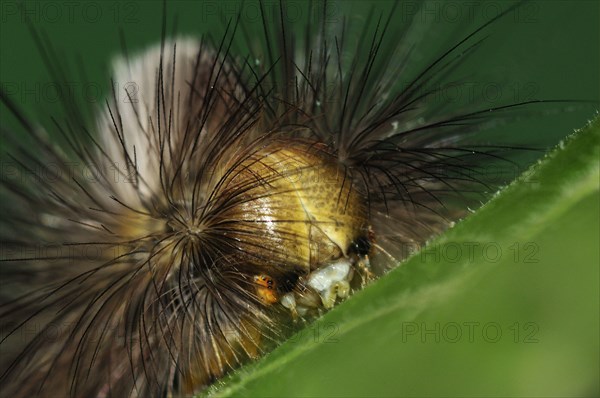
[[251, 179]]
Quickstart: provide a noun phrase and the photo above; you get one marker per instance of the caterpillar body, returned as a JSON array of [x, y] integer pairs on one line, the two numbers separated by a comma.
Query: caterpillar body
[[232, 197]]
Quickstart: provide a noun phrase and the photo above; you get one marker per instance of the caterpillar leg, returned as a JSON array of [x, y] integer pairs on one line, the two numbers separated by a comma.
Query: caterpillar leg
[[266, 289], [363, 265]]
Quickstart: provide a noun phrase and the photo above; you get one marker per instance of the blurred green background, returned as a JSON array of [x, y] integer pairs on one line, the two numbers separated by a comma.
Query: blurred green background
[[550, 50], [546, 49]]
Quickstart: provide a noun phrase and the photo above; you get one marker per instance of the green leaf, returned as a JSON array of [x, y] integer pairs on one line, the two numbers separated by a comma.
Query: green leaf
[[504, 304]]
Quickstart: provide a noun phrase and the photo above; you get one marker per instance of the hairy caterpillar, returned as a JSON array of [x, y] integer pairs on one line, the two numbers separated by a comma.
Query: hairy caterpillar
[[214, 196]]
